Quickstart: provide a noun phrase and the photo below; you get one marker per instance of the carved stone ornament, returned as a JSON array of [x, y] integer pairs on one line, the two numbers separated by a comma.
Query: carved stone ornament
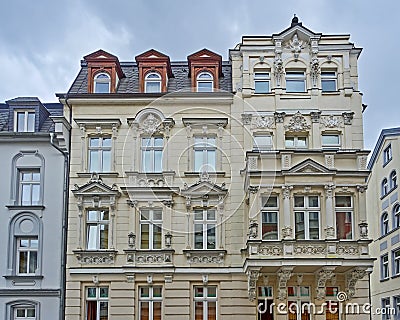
[[348, 117], [296, 45], [205, 256], [150, 124], [330, 232], [279, 117], [253, 229], [322, 276], [351, 280], [314, 71], [253, 189], [287, 232], [278, 71], [252, 277], [297, 123], [263, 122], [246, 118], [315, 116], [332, 121], [283, 276], [98, 257]]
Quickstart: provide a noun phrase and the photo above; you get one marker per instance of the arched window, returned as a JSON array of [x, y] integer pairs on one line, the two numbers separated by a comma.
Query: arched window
[[396, 216], [205, 82], [393, 180], [384, 223], [152, 82], [385, 187], [23, 309], [102, 83]]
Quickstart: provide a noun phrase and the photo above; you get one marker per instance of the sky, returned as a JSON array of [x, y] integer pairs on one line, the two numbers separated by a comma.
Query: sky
[[43, 41]]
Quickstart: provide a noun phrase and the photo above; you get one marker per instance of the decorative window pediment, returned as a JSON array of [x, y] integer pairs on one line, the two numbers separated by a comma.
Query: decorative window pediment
[[96, 187], [309, 166], [297, 123], [151, 121], [204, 193]]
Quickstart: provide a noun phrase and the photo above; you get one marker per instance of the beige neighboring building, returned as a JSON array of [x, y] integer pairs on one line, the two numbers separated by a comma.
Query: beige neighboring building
[[203, 188], [384, 218]]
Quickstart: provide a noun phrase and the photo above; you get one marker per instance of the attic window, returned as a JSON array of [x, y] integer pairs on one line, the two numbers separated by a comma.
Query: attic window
[[153, 82], [205, 82], [102, 83], [25, 121]]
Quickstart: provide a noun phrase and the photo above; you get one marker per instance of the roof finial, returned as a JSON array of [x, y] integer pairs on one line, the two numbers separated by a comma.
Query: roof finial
[[295, 20]]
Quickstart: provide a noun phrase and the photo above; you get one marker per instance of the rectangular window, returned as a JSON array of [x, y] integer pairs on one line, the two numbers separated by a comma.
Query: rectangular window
[[24, 121], [385, 266], [344, 217], [386, 308], [97, 223], [204, 229], [295, 81], [298, 299], [100, 154], [330, 140], [261, 82], [150, 228], [328, 81], [270, 213], [396, 306], [205, 303], [152, 149], [150, 303], [97, 303], [306, 211], [27, 255], [264, 305], [296, 142], [204, 154], [26, 313], [29, 187], [262, 142], [396, 262], [387, 154]]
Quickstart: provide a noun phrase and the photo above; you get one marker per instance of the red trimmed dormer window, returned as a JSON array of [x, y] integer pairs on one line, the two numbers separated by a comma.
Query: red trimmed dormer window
[[154, 71], [205, 69], [104, 72]]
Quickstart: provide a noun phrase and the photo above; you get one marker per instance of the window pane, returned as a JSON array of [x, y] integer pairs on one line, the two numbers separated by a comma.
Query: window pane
[[343, 225], [198, 236], [270, 225], [211, 236], [144, 215], [94, 163], [198, 160], [157, 215], [94, 142], [210, 214], [23, 262], [211, 291], [157, 292], [103, 310], [300, 231], [103, 292], [144, 236], [24, 243], [158, 142], [31, 312], [157, 161], [211, 160], [35, 194], [299, 201], [104, 236], [106, 160], [271, 202], [205, 86], [212, 310], [34, 243], [156, 237], [330, 139], [153, 86], [198, 215], [102, 87], [32, 261], [31, 122], [107, 142], [295, 86], [26, 194], [156, 310], [314, 225], [261, 87], [198, 310], [343, 201], [104, 215], [144, 292], [198, 291], [144, 311], [289, 142], [91, 292], [91, 237], [35, 176], [301, 142], [261, 75], [146, 161], [263, 142], [313, 201], [328, 85], [26, 176], [21, 121]]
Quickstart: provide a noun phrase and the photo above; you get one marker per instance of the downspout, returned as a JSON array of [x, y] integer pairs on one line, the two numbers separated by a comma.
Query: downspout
[[64, 225]]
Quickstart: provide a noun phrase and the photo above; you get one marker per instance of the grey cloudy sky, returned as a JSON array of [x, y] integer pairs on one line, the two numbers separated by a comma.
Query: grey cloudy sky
[[43, 41]]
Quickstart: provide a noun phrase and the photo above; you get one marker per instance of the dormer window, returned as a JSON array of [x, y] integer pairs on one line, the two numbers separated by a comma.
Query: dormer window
[[25, 121], [205, 82], [102, 83], [153, 82]]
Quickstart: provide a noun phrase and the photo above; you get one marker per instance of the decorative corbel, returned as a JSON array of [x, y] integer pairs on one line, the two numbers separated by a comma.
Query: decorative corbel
[[283, 275], [322, 276], [352, 277], [252, 277]]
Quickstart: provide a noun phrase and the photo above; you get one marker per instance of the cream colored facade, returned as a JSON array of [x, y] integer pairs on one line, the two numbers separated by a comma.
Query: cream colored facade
[[383, 216], [326, 181]]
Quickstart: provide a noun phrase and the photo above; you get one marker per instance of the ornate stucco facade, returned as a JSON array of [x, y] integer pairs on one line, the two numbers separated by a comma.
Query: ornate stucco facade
[[201, 189], [384, 218]]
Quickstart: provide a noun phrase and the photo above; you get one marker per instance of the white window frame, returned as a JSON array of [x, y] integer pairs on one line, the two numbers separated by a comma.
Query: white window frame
[[330, 145], [100, 149], [203, 144], [98, 223], [201, 80], [31, 183], [326, 76], [152, 223], [396, 216], [307, 210], [384, 224], [205, 299], [393, 179], [25, 309], [26, 124], [258, 142], [99, 80], [384, 187], [296, 142], [387, 154], [396, 261], [262, 77], [266, 209], [295, 76], [206, 225], [386, 306], [99, 299], [29, 250], [151, 299], [384, 264], [152, 148], [347, 211], [150, 80]]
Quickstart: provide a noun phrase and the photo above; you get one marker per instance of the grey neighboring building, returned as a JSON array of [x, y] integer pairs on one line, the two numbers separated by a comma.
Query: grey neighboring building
[[34, 140]]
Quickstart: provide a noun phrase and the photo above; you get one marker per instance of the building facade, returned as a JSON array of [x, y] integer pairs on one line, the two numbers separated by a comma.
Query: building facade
[[210, 189], [34, 140], [384, 217]]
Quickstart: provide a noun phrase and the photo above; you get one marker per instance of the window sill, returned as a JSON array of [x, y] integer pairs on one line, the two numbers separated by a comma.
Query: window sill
[[384, 280], [20, 207], [390, 191], [198, 174], [23, 277], [387, 162], [202, 256], [395, 276], [330, 93], [95, 256], [101, 174]]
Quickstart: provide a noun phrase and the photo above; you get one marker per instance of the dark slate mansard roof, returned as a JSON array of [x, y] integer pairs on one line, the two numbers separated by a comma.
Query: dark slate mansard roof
[[43, 112], [130, 84]]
